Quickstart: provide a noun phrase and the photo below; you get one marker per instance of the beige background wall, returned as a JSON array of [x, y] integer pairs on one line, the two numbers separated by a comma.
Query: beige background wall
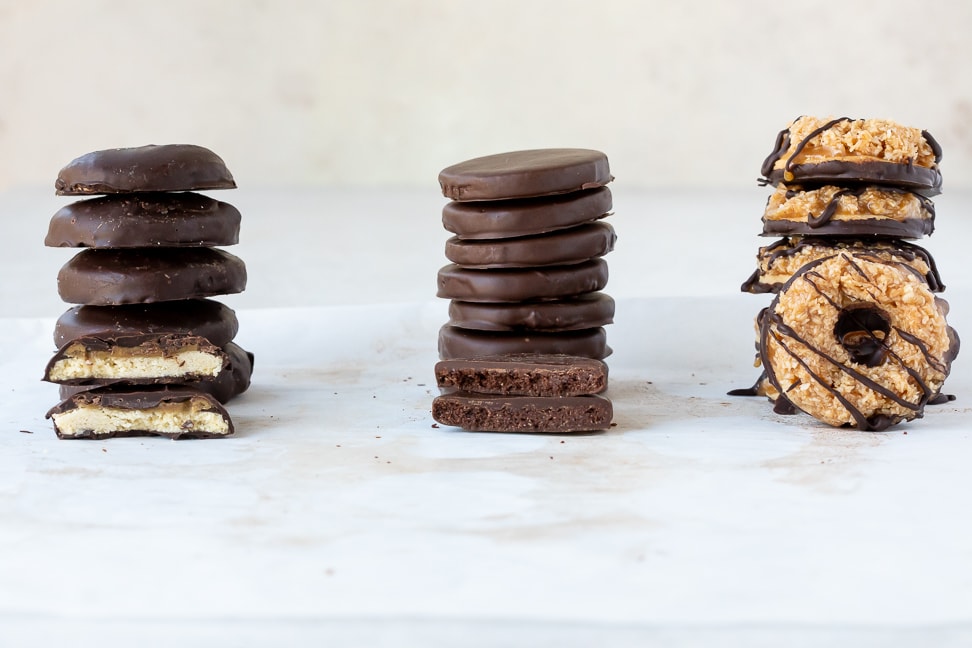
[[386, 92]]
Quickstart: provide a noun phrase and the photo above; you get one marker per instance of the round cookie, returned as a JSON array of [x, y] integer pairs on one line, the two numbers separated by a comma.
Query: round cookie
[[167, 167], [848, 211], [182, 219], [511, 218], [583, 312], [521, 284], [463, 343], [846, 151], [146, 275], [563, 247], [203, 317], [857, 342], [784, 258], [525, 174]]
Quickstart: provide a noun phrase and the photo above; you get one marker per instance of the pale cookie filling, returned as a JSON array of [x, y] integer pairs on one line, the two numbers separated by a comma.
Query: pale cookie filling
[[858, 140], [120, 362], [186, 417], [794, 205]]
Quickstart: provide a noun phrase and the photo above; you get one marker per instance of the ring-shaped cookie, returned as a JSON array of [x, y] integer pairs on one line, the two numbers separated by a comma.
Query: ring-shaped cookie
[[857, 342]]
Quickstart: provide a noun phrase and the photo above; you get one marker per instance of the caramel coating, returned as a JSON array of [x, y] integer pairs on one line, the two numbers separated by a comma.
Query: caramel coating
[[840, 204], [857, 139], [857, 341]]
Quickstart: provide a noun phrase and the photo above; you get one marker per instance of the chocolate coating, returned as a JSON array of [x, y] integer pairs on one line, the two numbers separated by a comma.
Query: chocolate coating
[[511, 218], [563, 247], [167, 167], [926, 181], [479, 413], [145, 275], [586, 311], [140, 398], [521, 284], [203, 317], [525, 174], [523, 374], [145, 220], [462, 343], [229, 383]]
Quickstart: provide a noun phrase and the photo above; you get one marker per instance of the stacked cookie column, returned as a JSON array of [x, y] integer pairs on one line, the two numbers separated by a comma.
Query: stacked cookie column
[[145, 351], [526, 270], [855, 335]]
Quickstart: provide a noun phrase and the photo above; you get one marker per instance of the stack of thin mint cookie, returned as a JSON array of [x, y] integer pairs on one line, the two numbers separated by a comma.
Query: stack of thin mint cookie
[[526, 311], [145, 351], [856, 335]]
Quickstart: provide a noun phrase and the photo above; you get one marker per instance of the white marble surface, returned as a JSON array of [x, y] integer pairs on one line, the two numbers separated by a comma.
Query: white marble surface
[[341, 514]]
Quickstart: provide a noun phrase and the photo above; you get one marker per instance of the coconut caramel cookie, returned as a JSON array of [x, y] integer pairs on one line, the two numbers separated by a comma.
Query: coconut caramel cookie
[[857, 341]]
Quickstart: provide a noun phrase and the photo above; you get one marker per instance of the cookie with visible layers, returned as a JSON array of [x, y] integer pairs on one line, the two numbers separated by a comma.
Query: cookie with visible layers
[[176, 412], [848, 211], [853, 151]]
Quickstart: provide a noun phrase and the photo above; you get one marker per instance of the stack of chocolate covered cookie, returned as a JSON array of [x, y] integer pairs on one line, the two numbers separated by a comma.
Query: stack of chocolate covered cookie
[[145, 351], [526, 269], [855, 335]]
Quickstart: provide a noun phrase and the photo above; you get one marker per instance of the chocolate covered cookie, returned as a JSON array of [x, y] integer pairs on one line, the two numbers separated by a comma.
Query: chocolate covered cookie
[[521, 284], [201, 317], [586, 311], [512, 218], [145, 220], [143, 275], [465, 343], [564, 247], [525, 174], [167, 167]]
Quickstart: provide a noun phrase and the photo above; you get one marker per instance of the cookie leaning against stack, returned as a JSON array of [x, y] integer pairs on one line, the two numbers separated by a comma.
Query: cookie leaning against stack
[[855, 335], [524, 286], [145, 351]]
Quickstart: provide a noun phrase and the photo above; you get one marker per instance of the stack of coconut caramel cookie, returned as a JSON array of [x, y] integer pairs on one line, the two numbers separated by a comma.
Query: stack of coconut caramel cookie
[[524, 344], [855, 335], [145, 351]]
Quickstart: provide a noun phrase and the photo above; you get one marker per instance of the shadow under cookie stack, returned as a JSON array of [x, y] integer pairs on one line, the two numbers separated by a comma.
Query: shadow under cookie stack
[[145, 351], [855, 335], [524, 346]]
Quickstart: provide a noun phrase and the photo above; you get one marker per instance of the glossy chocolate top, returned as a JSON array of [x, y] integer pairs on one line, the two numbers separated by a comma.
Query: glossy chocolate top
[[203, 317], [511, 218], [145, 275], [167, 167], [522, 284], [556, 248], [571, 314], [183, 219], [523, 174]]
